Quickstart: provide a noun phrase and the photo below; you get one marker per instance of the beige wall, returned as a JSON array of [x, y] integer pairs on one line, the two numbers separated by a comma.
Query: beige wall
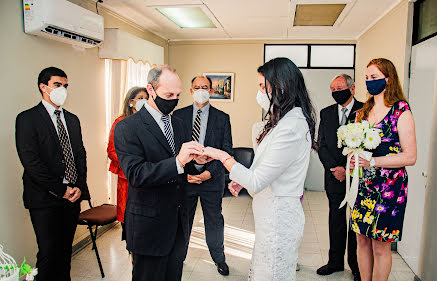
[[389, 38], [22, 57], [191, 58]]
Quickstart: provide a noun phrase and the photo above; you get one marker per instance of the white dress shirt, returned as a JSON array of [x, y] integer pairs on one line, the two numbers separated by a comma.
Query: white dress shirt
[[157, 116], [348, 111], [281, 160], [51, 110]]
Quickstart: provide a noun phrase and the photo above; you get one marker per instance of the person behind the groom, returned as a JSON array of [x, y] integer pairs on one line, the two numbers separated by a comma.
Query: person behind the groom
[[334, 162], [152, 150], [210, 127]]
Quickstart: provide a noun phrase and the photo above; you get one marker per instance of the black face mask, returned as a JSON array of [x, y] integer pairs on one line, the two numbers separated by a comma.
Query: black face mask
[[341, 97], [165, 106]]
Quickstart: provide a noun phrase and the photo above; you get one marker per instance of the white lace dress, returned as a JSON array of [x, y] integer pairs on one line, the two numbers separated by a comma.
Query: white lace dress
[[276, 178]]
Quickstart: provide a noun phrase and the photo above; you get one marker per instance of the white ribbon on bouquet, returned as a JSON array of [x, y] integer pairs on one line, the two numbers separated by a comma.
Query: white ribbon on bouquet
[[352, 188]]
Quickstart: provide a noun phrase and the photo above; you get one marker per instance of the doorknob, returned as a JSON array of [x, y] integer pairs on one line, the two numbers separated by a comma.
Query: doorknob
[[425, 174]]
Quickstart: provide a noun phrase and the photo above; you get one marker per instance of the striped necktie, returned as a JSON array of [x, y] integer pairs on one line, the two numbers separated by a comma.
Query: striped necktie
[[196, 127], [343, 116], [70, 167], [168, 133]]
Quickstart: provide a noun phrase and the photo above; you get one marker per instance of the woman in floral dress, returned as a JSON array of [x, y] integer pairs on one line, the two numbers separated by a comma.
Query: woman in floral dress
[[378, 214]]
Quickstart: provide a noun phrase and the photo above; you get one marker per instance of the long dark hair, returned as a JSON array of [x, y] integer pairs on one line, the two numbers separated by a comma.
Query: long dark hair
[[288, 91]]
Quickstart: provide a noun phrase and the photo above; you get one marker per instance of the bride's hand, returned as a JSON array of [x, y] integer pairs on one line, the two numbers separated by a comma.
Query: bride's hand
[[214, 154], [234, 188]]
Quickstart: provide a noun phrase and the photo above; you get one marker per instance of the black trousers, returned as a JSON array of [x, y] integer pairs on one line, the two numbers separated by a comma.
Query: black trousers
[[54, 229], [339, 234], [211, 202], [165, 268]]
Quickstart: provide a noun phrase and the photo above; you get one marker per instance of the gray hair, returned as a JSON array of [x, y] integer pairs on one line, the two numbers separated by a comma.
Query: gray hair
[[155, 73], [349, 81]]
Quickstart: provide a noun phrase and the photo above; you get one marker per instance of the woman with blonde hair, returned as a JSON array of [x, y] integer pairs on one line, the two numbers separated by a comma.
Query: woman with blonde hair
[[135, 99], [378, 213]]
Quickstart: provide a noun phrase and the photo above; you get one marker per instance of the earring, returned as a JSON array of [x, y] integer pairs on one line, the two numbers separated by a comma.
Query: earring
[[131, 105]]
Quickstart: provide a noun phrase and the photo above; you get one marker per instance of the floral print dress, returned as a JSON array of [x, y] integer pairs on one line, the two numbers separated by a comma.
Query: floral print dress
[[379, 209]]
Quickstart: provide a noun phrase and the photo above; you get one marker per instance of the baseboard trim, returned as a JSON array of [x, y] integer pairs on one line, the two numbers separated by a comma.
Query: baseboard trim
[[79, 246]]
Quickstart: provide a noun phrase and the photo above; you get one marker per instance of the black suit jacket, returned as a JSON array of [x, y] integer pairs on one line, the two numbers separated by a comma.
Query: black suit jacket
[[40, 153], [156, 192], [218, 135], [330, 155]]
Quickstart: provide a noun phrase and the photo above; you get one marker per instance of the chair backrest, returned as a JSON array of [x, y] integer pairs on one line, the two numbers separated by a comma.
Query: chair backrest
[[244, 155]]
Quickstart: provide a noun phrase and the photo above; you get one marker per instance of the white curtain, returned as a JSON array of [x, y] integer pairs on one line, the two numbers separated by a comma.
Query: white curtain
[[136, 74]]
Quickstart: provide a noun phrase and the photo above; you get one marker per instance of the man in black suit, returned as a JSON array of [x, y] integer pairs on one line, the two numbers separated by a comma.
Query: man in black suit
[[152, 154], [334, 162], [49, 144], [210, 127]]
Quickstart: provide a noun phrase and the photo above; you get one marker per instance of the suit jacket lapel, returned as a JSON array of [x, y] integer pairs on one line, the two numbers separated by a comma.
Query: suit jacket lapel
[[154, 129], [49, 123], [210, 125], [356, 107]]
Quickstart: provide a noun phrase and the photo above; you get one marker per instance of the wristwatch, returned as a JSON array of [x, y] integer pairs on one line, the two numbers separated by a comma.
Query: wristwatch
[[372, 162]]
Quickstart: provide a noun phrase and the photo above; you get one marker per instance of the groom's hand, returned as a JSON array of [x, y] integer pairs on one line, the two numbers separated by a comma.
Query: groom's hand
[[188, 151]]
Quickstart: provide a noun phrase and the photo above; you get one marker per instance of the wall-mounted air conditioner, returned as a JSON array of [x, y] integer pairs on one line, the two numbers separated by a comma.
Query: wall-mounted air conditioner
[[63, 21]]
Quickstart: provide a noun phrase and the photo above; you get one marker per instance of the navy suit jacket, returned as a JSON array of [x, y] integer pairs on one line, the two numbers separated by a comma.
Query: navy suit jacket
[[218, 135], [156, 192]]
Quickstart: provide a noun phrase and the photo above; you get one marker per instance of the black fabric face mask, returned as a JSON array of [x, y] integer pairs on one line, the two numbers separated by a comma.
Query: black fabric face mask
[[165, 106], [341, 97]]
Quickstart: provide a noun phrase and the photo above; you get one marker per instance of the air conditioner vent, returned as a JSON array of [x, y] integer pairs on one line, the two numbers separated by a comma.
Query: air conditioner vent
[[66, 34]]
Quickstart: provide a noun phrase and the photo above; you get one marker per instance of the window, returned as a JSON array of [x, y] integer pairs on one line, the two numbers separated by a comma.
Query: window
[[329, 56]]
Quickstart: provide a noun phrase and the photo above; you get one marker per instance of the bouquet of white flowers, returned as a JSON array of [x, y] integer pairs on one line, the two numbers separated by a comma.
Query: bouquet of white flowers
[[355, 137]]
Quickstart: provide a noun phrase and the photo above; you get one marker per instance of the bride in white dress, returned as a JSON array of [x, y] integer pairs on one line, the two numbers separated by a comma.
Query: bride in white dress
[[277, 175]]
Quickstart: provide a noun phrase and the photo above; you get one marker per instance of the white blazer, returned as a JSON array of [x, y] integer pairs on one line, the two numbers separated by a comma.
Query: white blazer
[[281, 160]]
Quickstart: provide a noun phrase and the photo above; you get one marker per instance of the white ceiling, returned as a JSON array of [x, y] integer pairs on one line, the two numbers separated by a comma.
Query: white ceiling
[[253, 19]]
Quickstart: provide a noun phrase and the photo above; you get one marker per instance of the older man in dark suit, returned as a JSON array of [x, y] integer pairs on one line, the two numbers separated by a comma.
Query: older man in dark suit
[[210, 127], [334, 162], [152, 154], [49, 144]]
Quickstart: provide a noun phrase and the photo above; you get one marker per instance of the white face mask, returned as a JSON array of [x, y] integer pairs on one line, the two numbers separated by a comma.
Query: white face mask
[[58, 95], [201, 96], [140, 104], [263, 100]]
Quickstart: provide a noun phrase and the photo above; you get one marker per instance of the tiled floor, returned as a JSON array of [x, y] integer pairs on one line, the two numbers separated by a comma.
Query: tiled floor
[[239, 238]]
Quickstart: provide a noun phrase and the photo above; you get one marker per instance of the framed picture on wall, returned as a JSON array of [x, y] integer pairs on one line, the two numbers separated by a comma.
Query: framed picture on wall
[[223, 85]]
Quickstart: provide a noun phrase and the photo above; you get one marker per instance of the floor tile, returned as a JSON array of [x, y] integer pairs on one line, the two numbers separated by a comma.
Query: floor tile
[[239, 241]]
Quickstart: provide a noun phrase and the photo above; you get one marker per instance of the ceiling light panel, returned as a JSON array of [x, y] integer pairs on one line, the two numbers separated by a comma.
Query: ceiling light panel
[[187, 17]]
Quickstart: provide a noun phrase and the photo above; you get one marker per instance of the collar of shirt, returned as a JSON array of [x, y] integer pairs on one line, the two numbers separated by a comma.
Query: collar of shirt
[[205, 109], [349, 108], [51, 109]]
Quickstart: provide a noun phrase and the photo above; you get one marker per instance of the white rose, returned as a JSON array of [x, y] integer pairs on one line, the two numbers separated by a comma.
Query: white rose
[[342, 132]]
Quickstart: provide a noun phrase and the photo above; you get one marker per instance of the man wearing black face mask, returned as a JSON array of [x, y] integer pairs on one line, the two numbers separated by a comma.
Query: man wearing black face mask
[[334, 162], [152, 148]]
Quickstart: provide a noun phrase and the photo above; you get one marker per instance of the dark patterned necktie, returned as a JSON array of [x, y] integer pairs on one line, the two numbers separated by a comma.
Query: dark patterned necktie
[[168, 133], [70, 167], [196, 127]]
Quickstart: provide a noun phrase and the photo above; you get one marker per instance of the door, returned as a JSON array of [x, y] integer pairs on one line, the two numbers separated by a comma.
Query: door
[[421, 96]]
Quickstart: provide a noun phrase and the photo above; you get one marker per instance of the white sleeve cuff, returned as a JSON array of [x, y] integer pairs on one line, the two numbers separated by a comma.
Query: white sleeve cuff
[[179, 167]]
